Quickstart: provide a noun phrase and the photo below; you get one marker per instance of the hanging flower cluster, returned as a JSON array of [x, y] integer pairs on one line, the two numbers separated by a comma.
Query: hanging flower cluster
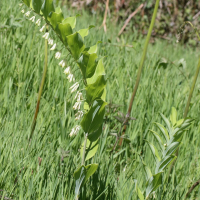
[[67, 70]]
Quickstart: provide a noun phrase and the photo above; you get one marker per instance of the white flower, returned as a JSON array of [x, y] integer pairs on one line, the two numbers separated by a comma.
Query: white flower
[[62, 64], [77, 105], [27, 14], [74, 87], [50, 41], [70, 77], [42, 29], [78, 115], [79, 96], [74, 131], [20, 5], [38, 22], [67, 71], [53, 47], [22, 11], [32, 19], [46, 35], [57, 55]]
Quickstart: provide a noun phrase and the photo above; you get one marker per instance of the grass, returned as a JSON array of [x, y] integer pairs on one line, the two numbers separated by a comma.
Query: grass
[[21, 65]]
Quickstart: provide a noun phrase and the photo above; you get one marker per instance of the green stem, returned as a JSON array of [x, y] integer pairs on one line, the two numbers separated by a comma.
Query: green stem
[[40, 90], [84, 148], [141, 66], [191, 90]]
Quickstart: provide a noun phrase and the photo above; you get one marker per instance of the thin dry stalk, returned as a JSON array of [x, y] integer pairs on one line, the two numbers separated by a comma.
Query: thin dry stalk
[[129, 18], [105, 16]]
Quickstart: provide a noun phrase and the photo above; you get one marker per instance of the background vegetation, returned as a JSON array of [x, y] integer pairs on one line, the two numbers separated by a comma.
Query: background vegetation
[[44, 170]]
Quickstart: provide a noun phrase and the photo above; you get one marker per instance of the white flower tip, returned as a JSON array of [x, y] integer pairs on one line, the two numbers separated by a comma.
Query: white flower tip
[[53, 47], [42, 29]]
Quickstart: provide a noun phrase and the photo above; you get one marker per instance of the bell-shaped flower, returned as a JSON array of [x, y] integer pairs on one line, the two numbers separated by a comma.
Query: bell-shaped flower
[[74, 131], [42, 29], [32, 19], [74, 87], [78, 115], [70, 77], [77, 105], [46, 36], [38, 22], [53, 47], [27, 14], [62, 64], [57, 55]]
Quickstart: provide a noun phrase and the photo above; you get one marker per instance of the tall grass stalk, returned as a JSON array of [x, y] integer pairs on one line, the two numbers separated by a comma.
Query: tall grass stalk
[[141, 66], [40, 90]]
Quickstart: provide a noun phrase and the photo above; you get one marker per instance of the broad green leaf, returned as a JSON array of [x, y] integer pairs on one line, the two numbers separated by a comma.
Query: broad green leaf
[[85, 32], [63, 30], [93, 49], [154, 151], [166, 122], [179, 122], [99, 71], [37, 4], [95, 134], [95, 90], [87, 63], [91, 149], [55, 18], [154, 182], [79, 176], [75, 43], [164, 163], [173, 116], [47, 7], [71, 21], [171, 149], [138, 191], [93, 119], [163, 130], [27, 2], [158, 138]]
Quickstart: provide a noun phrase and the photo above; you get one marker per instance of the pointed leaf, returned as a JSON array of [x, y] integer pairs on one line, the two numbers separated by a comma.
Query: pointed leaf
[[154, 151], [85, 32], [95, 134], [71, 21], [63, 30], [166, 122], [91, 149], [37, 4], [93, 119], [163, 130], [154, 182], [95, 90], [164, 163], [93, 49], [91, 169], [146, 169], [158, 138], [27, 2], [47, 7], [55, 18], [87, 63], [171, 149], [138, 191], [173, 116], [99, 71]]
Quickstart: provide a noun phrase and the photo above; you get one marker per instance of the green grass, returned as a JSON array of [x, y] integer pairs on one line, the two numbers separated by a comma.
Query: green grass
[[21, 65]]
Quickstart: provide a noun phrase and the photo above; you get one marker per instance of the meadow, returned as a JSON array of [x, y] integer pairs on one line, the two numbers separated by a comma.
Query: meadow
[[43, 169]]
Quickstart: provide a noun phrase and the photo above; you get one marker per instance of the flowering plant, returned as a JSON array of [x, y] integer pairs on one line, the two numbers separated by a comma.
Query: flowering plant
[[92, 70]]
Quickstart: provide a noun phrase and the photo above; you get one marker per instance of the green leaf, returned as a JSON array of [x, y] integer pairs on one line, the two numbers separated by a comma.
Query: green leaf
[[173, 116], [95, 90], [164, 163], [95, 134], [147, 170], [99, 71], [85, 32], [55, 18], [27, 2], [37, 4], [93, 119], [81, 175], [179, 122], [63, 30], [75, 43], [166, 122], [87, 63], [154, 151], [91, 149], [47, 7], [163, 130], [93, 49], [154, 182], [138, 191], [171, 149], [158, 138], [71, 21]]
